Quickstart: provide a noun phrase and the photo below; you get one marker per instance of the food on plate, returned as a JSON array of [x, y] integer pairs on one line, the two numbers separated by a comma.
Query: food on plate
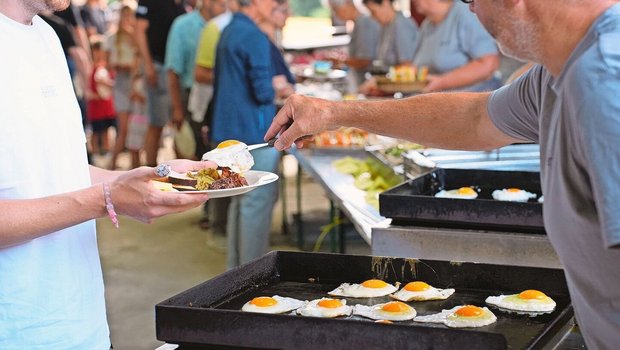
[[421, 291], [530, 300], [367, 289], [207, 179], [163, 186], [460, 193], [325, 307], [461, 316], [512, 195], [391, 311], [272, 305], [231, 154]]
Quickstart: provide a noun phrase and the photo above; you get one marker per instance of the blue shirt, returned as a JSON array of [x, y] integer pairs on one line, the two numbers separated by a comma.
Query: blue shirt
[[182, 45], [279, 64], [576, 119], [457, 40], [244, 94]]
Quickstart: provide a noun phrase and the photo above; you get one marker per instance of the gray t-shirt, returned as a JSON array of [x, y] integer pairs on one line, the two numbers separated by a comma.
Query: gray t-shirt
[[576, 120], [397, 41], [457, 40], [364, 38]]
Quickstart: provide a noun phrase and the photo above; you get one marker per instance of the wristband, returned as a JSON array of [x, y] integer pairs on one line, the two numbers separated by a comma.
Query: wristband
[[108, 204]]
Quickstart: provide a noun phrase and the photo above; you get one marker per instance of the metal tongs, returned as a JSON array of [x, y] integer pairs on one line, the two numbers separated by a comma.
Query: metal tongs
[[269, 143]]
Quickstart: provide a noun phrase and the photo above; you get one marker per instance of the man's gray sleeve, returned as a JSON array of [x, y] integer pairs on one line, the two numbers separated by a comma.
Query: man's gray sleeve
[[599, 118], [514, 108]]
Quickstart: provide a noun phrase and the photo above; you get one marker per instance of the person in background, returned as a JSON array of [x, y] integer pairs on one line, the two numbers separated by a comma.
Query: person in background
[[154, 20], [101, 113], [93, 16], [180, 62], [71, 15], [123, 61], [243, 109], [364, 38], [399, 35], [51, 289], [568, 102], [200, 101], [138, 123], [283, 80], [459, 53]]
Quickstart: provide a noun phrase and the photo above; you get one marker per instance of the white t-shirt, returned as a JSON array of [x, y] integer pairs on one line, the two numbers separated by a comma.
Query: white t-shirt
[[51, 288]]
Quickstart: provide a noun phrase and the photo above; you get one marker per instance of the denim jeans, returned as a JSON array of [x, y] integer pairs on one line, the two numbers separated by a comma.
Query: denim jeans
[[249, 215]]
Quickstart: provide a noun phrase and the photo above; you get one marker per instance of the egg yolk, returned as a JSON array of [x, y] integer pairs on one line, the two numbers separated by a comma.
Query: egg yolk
[[466, 191], [532, 294], [263, 301], [395, 306], [416, 286], [227, 143], [513, 190], [469, 311], [330, 303], [374, 284]]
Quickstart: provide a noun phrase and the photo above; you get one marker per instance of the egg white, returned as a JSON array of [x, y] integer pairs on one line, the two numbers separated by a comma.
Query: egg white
[[451, 319], [455, 194], [236, 157], [359, 291], [312, 308], [283, 304], [514, 303], [505, 195], [430, 294], [375, 312]]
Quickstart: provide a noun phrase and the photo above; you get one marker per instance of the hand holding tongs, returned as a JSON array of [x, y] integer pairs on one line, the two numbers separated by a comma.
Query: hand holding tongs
[[269, 143]]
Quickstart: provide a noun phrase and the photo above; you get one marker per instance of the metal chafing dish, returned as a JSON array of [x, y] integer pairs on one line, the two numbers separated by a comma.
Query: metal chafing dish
[[209, 314]]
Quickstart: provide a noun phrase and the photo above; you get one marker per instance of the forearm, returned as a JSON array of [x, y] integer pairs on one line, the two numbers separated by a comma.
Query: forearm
[[448, 121], [82, 63], [99, 175], [17, 224], [143, 46], [474, 72], [174, 88], [204, 75]]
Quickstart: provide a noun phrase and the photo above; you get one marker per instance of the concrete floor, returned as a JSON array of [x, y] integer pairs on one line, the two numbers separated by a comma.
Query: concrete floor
[[145, 264]]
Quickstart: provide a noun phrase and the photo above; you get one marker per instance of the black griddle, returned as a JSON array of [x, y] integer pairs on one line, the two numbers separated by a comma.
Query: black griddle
[[414, 202], [209, 314]]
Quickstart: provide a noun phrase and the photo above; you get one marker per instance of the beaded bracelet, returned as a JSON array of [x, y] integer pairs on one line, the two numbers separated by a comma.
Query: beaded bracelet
[[108, 204]]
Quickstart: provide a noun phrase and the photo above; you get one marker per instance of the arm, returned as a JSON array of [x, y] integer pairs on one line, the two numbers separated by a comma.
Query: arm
[[449, 121], [477, 70], [82, 64], [204, 75], [131, 192], [143, 47], [178, 110], [174, 64], [260, 71]]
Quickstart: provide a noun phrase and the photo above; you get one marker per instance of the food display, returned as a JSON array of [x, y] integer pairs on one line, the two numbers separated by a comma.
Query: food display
[[326, 307], [421, 291], [369, 175], [403, 78], [391, 311], [272, 305], [463, 316], [530, 300], [343, 137], [367, 289]]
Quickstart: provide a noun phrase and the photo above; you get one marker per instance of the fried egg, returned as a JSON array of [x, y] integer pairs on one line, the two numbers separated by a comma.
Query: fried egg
[[367, 289], [461, 193], [272, 305], [461, 316], [391, 311], [530, 300], [420, 291], [325, 307], [512, 195], [232, 154]]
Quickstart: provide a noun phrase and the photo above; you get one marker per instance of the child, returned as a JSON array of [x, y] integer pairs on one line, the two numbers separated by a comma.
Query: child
[[101, 113]]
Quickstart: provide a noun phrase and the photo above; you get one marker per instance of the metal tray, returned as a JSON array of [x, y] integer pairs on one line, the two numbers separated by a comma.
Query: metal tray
[[209, 314], [414, 203]]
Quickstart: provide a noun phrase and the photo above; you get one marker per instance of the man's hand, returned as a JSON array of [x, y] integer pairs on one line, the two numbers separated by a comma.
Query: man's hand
[[178, 117], [151, 74], [300, 117], [133, 195]]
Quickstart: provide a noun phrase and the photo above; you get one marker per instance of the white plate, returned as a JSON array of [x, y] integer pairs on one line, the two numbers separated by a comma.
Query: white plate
[[255, 178]]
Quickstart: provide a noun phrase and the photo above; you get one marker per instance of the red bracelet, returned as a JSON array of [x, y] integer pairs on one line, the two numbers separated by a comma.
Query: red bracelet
[[108, 204]]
